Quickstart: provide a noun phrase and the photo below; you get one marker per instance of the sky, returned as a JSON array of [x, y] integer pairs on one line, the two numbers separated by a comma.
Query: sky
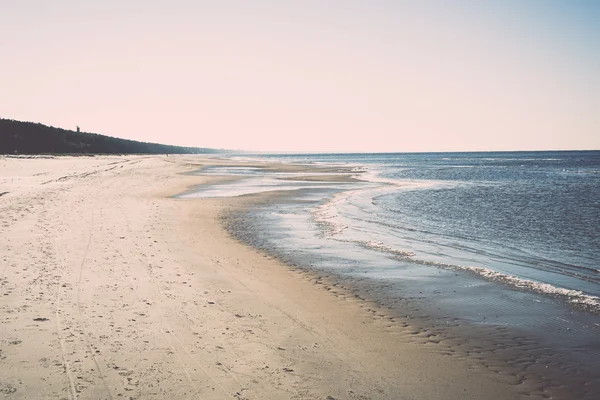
[[327, 75]]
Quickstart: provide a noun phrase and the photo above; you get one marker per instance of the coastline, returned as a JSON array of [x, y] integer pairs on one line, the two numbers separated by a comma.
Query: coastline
[[537, 339], [111, 288]]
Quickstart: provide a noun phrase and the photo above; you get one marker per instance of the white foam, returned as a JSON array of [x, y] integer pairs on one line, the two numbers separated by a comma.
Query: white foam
[[326, 214], [573, 296], [374, 176], [380, 246]]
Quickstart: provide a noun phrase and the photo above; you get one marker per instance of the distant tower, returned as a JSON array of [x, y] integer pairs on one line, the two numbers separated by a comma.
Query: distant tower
[[77, 128]]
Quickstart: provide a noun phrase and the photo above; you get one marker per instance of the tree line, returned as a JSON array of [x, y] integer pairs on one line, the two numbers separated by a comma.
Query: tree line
[[17, 137]]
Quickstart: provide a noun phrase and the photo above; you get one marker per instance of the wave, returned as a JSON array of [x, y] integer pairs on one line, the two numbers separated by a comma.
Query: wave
[[324, 214], [331, 225], [374, 176], [382, 247], [574, 297]]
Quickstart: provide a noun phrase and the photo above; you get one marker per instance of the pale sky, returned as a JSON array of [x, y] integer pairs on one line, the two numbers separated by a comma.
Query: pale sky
[[351, 76]]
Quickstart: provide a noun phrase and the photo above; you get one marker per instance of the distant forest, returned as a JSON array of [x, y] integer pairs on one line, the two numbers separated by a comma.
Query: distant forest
[[18, 137]]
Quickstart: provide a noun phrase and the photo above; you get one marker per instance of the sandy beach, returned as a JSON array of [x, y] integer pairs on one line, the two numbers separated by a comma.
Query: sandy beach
[[111, 288]]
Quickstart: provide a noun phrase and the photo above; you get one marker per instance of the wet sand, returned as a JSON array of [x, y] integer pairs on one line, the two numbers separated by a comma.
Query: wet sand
[[110, 288]]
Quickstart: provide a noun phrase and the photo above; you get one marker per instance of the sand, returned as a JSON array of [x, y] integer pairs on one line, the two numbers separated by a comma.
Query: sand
[[110, 288]]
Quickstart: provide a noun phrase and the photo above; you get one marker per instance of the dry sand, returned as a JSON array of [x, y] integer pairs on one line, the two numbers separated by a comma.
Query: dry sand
[[111, 289]]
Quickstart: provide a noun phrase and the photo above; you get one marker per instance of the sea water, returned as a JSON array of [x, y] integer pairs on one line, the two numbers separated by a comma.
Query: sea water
[[509, 240], [534, 216]]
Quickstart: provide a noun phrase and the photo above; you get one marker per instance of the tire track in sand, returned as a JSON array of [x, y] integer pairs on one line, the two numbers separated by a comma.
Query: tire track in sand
[[63, 346], [79, 308]]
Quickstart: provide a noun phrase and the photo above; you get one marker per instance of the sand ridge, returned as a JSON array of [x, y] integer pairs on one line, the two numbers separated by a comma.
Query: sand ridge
[[110, 288]]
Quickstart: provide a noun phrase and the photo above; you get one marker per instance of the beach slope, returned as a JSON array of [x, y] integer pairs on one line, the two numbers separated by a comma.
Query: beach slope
[[110, 288]]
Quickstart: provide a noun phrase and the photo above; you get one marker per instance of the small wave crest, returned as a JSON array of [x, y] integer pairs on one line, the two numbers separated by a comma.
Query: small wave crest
[[575, 297], [382, 247], [325, 214], [376, 176]]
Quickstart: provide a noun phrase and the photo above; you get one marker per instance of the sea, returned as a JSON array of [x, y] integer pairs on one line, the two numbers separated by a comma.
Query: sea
[[490, 255]]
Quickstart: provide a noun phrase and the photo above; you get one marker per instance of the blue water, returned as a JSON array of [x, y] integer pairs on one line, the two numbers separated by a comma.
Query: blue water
[[495, 253], [531, 215]]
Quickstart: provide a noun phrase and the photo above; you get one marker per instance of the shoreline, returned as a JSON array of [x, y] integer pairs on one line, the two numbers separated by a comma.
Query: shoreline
[[503, 349], [113, 289]]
